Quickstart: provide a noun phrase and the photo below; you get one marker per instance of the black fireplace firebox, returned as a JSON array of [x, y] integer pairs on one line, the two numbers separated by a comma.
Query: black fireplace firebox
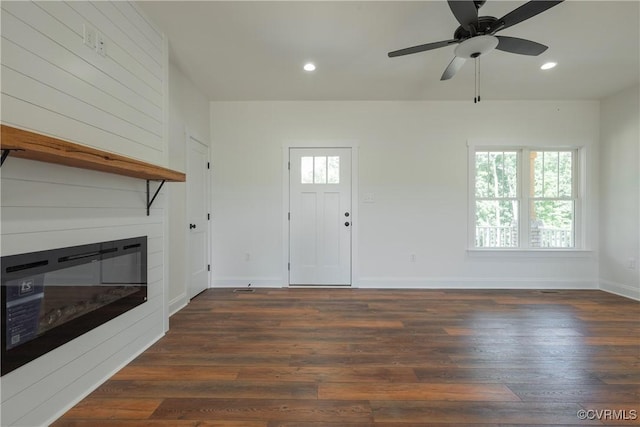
[[51, 297]]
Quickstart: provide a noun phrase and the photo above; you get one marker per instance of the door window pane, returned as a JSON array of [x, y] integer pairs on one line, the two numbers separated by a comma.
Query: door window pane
[[306, 170], [333, 169], [320, 170]]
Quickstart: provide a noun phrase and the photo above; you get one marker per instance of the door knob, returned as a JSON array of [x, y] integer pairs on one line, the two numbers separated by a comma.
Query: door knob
[[346, 214], [346, 224], [192, 226]]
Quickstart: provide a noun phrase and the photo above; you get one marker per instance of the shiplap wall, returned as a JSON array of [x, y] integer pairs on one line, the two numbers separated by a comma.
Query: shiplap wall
[[51, 78], [54, 84]]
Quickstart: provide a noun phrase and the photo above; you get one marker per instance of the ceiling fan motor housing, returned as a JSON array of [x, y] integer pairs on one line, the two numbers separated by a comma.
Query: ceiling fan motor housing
[[486, 25]]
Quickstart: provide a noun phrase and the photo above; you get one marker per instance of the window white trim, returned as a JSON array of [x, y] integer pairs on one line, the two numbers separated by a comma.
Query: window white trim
[[579, 183]]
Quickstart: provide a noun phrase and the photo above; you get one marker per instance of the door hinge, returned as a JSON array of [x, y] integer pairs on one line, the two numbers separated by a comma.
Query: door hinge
[[208, 267], [208, 165], [208, 217], [289, 216], [289, 266], [289, 165]]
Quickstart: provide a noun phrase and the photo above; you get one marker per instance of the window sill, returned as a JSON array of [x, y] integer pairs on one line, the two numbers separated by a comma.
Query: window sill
[[530, 253]]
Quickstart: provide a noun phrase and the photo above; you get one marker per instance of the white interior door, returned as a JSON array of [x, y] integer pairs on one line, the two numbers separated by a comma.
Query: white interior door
[[197, 215], [320, 219]]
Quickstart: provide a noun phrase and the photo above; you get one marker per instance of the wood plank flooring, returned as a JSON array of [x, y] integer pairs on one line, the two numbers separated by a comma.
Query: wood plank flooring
[[352, 358]]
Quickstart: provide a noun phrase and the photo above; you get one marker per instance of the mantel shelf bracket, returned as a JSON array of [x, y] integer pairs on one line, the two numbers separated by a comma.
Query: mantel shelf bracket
[[5, 154], [150, 202]]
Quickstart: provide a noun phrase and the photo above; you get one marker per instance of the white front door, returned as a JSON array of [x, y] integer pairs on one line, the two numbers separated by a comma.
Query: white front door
[[197, 216], [320, 216]]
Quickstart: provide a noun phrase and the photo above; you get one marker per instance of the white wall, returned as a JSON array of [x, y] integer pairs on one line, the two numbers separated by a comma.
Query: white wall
[[53, 84], [620, 193], [189, 112], [413, 158]]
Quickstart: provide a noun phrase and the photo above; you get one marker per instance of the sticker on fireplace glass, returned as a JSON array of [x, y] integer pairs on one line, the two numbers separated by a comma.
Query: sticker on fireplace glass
[[23, 307]]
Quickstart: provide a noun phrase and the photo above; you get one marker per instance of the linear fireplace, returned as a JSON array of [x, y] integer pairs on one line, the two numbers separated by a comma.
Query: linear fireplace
[[51, 297]]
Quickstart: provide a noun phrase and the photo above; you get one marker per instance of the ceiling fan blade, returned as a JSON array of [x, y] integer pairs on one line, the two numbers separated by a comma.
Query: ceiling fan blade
[[453, 67], [422, 48], [524, 12], [520, 46], [465, 12]]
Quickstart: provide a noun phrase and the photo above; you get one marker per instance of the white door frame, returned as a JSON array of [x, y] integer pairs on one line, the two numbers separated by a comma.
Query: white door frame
[[353, 145], [188, 137]]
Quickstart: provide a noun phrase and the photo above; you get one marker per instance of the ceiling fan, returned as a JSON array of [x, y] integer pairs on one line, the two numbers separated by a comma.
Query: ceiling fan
[[476, 34]]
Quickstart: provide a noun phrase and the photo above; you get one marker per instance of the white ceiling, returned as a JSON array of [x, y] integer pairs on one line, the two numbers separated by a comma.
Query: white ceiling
[[246, 50]]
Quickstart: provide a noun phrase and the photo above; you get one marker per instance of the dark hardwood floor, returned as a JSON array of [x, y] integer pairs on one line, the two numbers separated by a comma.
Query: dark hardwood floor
[[350, 357]]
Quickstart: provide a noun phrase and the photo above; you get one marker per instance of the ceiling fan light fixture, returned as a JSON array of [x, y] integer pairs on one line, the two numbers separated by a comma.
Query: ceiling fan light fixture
[[476, 46], [548, 65], [309, 66]]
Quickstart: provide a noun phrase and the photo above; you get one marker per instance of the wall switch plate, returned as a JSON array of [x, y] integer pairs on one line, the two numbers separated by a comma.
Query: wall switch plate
[[89, 36]]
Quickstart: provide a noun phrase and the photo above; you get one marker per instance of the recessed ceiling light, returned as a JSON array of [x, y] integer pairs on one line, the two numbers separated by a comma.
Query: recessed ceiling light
[[309, 66], [548, 65]]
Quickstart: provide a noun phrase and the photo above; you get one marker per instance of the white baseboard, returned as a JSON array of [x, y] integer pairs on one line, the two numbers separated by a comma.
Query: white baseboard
[[621, 289], [177, 304], [423, 283], [472, 283], [243, 282]]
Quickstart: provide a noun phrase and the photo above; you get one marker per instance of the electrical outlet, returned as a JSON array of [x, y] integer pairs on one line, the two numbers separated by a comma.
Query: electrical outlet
[[89, 34], [101, 46], [632, 264]]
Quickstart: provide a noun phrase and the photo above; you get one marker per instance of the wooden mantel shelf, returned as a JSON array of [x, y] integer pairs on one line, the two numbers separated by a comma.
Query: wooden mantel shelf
[[34, 146]]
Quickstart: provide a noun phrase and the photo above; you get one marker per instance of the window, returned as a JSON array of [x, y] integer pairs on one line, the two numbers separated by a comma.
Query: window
[[524, 198], [320, 170], [497, 203], [552, 202]]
